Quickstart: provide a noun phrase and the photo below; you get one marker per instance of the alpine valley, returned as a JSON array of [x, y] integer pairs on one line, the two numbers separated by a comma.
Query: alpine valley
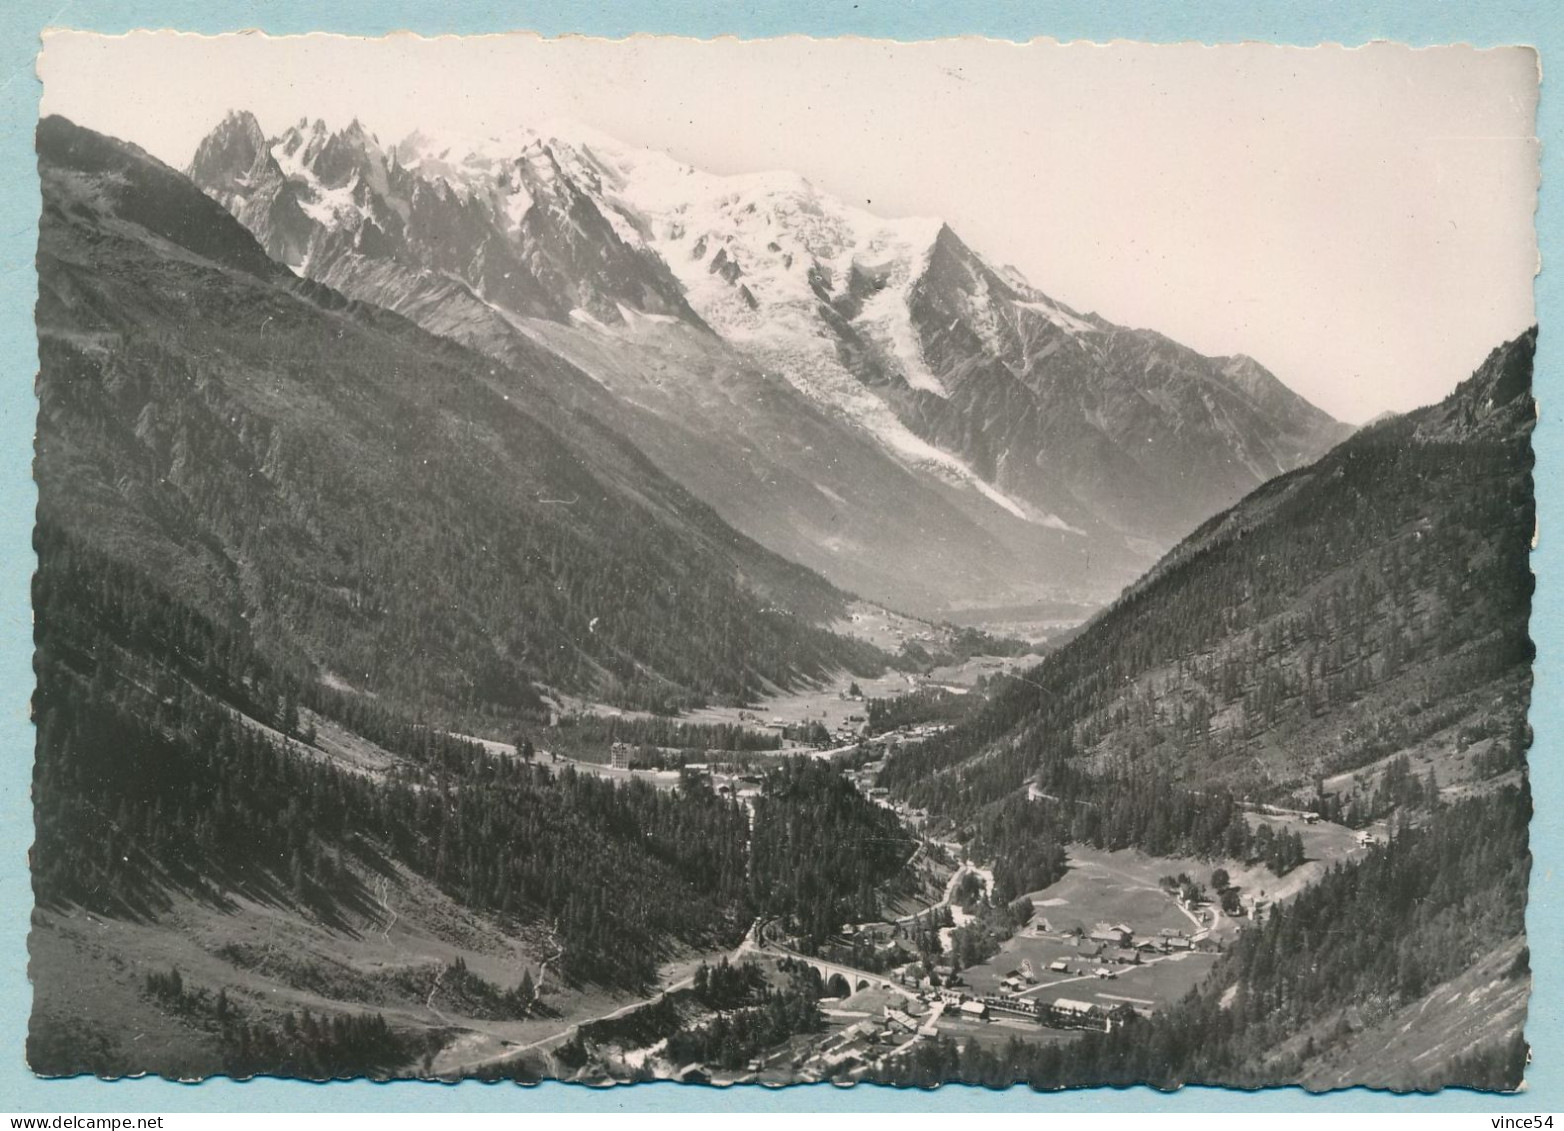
[[522, 607]]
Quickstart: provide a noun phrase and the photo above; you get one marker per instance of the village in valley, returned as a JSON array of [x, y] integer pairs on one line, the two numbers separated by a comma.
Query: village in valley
[[1110, 940], [949, 958], [1121, 935]]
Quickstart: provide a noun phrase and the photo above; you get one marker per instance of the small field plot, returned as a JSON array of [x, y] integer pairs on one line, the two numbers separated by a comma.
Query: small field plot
[[823, 705], [1001, 1032], [1040, 952], [1156, 984], [1104, 887], [1116, 887], [1124, 886]]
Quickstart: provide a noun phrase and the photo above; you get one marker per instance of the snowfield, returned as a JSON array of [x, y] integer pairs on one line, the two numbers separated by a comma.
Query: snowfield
[[756, 254]]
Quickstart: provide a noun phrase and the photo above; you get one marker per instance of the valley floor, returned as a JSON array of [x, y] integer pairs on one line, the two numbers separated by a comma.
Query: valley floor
[[407, 952], [93, 1010]]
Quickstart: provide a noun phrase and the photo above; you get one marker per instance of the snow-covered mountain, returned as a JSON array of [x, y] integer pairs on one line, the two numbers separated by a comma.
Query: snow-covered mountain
[[866, 395]]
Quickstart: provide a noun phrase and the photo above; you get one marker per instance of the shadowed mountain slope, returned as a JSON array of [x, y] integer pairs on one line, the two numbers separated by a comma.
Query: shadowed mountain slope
[[1370, 604], [379, 505], [1350, 640]]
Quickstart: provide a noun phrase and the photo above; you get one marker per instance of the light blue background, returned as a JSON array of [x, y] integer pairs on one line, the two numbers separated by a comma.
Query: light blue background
[[1427, 22]]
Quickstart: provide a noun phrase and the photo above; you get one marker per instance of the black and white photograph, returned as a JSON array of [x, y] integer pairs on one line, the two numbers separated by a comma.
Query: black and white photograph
[[761, 562]]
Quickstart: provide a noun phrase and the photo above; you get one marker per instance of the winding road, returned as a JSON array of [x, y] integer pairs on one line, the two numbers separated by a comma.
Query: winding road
[[510, 1051]]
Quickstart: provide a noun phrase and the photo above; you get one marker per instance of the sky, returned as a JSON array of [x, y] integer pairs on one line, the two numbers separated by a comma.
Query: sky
[[1358, 220]]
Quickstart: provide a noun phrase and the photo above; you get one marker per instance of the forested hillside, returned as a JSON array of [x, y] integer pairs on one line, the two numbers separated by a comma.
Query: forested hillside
[[176, 764], [286, 544], [361, 495], [820, 851], [152, 778], [174, 759], [1351, 638], [1372, 937], [1339, 615]]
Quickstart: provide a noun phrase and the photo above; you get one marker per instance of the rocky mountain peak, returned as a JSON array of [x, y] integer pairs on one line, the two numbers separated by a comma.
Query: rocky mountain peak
[[232, 152], [1495, 400], [961, 372]]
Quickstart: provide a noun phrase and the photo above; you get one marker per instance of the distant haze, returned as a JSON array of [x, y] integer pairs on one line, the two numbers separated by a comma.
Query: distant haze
[[1359, 221]]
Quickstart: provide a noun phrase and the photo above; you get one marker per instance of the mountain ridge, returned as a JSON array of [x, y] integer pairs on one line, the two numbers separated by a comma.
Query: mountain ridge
[[1347, 647], [1372, 603], [165, 436], [1071, 451]]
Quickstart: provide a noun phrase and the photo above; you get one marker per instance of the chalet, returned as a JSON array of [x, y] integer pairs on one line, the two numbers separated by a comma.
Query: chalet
[[1076, 1008], [1124, 956], [1069, 1014], [1366, 838], [930, 1027], [901, 1020], [1114, 1016], [974, 1010], [1170, 932], [1179, 942], [859, 1030], [619, 759], [1013, 1006], [1115, 935], [1059, 966], [876, 932], [1146, 943], [693, 1074]]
